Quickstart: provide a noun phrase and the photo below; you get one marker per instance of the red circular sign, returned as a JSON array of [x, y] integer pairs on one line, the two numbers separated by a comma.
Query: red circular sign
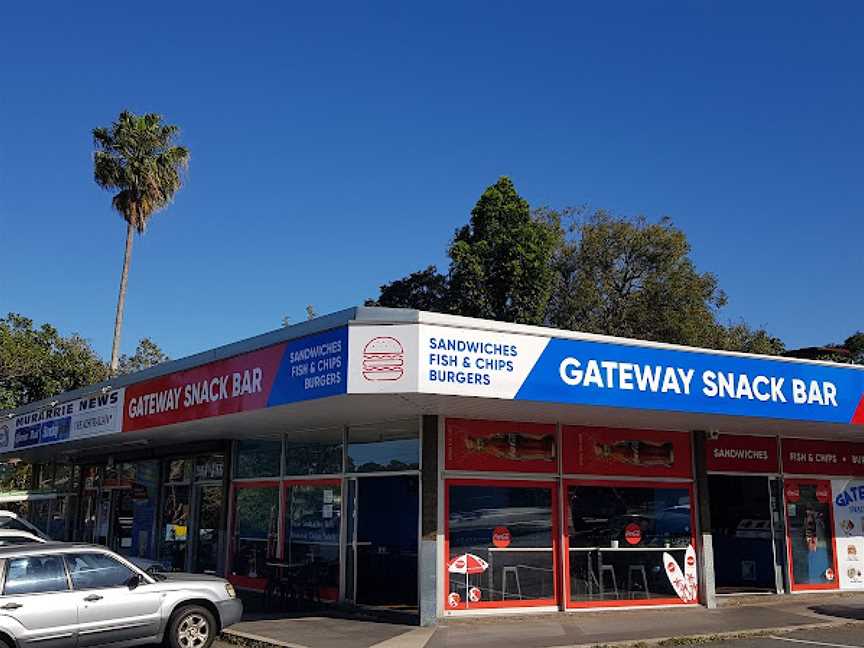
[[633, 534], [474, 594], [501, 537], [691, 560], [822, 493], [453, 599], [829, 574], [793, 493]]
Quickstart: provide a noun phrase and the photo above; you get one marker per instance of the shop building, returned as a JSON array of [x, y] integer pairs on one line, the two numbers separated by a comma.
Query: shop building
[[415, 461]]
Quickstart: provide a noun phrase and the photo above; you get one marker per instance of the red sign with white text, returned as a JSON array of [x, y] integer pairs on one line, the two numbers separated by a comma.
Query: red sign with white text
[[813, 457], [732, 453], [501, 537], [636, 453], [500, 445], [633, 533], [228, 386]]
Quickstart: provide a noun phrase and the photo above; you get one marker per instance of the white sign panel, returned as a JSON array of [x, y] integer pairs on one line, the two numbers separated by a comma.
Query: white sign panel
[[78, 419], [849, 531], [382, 359], [469, 362]]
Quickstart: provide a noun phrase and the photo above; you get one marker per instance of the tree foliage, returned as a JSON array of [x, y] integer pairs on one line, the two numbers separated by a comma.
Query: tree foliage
[[500, 261], [600, 273], [500, 264], [37, 363], [147, 354]]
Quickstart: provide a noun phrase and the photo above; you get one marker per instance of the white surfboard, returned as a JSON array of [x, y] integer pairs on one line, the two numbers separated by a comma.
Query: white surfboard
[[676, 577]]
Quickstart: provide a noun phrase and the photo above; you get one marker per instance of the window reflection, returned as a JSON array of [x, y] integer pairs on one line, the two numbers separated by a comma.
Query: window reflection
[[508, 528], [311, 552], [618, 535], [258, 459], [384, 447], [321, 456], [255, 530]]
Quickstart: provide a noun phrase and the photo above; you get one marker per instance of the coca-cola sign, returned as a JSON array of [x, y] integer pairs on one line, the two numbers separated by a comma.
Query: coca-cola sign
[[614, 451], [633, 534], [500, 446], [501, 537]]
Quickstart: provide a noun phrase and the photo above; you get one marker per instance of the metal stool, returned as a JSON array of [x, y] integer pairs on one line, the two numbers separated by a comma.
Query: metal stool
[[504, 573], [638, 570], [608, 569]]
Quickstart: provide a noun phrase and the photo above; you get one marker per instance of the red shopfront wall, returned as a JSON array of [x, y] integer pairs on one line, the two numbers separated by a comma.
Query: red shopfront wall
[[811, 498], [638, 457]]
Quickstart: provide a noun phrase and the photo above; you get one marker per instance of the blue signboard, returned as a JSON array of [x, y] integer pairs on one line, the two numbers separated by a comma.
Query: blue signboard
[[312, 367], [615, 375]]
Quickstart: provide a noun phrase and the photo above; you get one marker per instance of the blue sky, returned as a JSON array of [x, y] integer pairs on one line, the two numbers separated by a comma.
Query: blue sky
[[337, 146]]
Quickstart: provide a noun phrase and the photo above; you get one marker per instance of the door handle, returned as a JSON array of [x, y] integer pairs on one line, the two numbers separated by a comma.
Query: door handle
[[92, 597], [12, 606]]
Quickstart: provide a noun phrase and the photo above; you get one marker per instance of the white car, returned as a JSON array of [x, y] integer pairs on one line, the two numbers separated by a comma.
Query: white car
[[13, 523], [57, 595]]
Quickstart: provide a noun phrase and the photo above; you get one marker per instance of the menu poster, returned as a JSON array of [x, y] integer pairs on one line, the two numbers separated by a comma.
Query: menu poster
[[501, 446], [849, 531], [637, 453]]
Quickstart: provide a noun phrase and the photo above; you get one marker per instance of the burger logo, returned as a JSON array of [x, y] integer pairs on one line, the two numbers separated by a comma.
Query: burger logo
[[383, 359]]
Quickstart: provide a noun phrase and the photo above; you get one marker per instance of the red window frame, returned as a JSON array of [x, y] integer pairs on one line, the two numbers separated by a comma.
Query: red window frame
[[481, 605], [565, 541], [246, 582], [808, 587]]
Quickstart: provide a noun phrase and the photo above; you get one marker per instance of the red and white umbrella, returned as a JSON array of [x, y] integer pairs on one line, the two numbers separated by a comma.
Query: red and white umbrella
[[467, 564]]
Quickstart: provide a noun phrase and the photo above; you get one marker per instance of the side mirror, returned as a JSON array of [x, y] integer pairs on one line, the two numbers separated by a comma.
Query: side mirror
[[133, 582]]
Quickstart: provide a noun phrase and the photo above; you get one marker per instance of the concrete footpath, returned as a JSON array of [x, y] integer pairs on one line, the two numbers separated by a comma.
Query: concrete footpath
[[669, 626]]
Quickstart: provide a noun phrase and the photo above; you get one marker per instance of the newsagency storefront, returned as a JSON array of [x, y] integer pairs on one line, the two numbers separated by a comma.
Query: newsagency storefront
[[439, 465]]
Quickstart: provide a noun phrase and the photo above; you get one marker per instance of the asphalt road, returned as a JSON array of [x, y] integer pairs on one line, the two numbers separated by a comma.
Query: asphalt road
[[850, 636]]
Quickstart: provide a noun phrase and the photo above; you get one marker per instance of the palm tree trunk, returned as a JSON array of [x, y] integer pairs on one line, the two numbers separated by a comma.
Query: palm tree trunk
[[121, 301]]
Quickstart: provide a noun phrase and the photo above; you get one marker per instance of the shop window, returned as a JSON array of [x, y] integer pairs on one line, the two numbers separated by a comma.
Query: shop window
[[45, 476], [174, 532], [66, 478], [257, 459], [209, 467], [256, 525], [500, 545], [318, 453], [384, 447], [177, 471], [618, 535], [811, 537], [16, 476], [311, 545]]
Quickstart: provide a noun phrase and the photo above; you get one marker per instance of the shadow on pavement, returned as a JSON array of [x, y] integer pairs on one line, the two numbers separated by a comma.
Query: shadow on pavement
[[851, 612]]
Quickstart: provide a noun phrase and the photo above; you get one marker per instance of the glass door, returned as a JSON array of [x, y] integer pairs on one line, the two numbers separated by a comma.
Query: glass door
[[382, 541], [810, 524], [208, 523]]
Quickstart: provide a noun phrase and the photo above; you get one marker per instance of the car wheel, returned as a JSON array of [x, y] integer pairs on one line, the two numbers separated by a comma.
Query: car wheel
[[191, 626]]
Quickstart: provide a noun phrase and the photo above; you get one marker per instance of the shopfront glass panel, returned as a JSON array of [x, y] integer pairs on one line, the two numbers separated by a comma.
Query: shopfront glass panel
[[510, 528], [384, 447], [256, 526], [617, 538], [210, 504], [811, 540], [174, 530], [311, 546], [321, 456], [257, 459]]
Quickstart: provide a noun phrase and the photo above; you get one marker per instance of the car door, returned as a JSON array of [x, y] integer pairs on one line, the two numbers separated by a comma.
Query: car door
[[40, 607], [109, 610]]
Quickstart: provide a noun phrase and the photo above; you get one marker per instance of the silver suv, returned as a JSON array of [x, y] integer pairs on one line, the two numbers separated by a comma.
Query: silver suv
[[61, 595]]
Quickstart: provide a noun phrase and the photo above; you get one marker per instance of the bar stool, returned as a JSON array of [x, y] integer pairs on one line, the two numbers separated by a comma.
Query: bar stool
[[637, 570], [608, 569], [506, 572]]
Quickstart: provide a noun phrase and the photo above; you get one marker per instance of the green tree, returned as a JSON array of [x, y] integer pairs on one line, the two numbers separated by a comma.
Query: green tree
[[855, 345], [425, 290], [147, 354], [501, 260], [633, 278], [36, 363], [136, 156]]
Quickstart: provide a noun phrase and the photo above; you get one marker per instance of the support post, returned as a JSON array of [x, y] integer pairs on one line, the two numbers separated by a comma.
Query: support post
[[707, 586], [428, 567]]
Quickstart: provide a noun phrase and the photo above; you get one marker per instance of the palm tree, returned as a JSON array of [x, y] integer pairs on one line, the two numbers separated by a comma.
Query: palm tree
[[137, 156]]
